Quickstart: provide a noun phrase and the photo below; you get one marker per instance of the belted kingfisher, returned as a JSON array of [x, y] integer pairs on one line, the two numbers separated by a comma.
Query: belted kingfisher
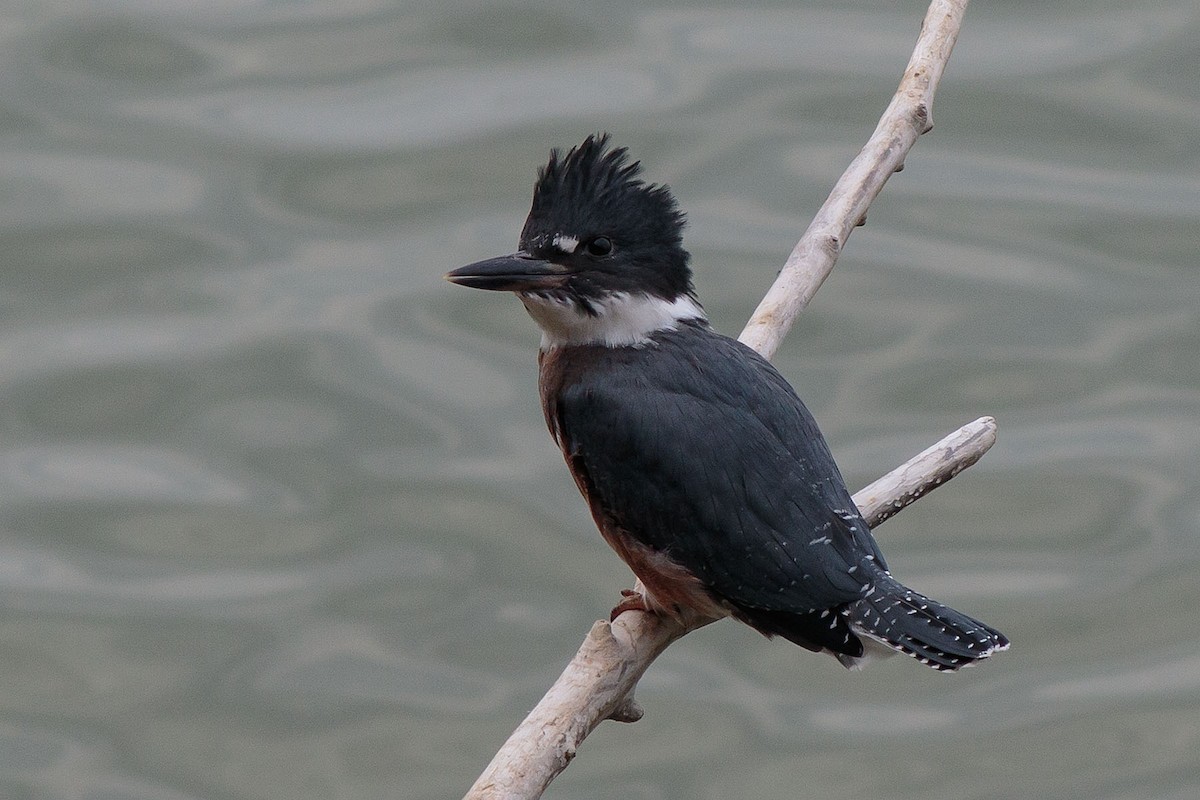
[[702, 468]]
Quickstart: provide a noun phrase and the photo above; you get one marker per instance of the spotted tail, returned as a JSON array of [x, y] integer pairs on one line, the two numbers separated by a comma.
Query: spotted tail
[[911, 623]]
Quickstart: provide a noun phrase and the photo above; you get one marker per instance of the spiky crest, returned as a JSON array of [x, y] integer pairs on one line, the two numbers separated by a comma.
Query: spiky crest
[[595, 191]]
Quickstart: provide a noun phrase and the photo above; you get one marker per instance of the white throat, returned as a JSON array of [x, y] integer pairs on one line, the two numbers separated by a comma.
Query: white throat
[[620, 320]]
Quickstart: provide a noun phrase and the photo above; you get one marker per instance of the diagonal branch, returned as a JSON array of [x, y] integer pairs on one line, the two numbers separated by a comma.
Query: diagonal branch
[[909, 115], [599, 682]]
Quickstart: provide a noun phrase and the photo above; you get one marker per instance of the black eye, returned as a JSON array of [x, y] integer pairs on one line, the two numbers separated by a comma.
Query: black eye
[[600, 246]]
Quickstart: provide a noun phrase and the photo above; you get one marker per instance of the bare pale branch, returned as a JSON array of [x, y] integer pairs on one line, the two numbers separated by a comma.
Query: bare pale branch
[[909, 115], [598, 684]]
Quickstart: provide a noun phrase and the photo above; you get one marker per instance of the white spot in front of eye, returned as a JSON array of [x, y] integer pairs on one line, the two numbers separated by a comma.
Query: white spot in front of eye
[[565, 243]]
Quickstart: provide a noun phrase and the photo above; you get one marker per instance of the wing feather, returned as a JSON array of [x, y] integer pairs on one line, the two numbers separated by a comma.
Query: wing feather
[[697, 447]]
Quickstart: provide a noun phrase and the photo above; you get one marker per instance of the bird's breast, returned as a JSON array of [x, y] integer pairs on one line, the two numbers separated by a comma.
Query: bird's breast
[[670, 588]]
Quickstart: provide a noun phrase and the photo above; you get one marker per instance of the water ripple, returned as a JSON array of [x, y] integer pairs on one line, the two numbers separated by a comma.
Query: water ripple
[[108, 585], [119, 474]]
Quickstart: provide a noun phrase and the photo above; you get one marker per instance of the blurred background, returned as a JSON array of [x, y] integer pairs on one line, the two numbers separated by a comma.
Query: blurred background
[[279, 517]]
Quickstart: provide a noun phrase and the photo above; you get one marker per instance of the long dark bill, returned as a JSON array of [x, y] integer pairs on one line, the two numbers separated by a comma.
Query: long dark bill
[[518, 272]]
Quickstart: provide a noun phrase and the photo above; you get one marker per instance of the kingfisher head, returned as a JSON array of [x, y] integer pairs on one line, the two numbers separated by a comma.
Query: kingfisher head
[[601, 258]]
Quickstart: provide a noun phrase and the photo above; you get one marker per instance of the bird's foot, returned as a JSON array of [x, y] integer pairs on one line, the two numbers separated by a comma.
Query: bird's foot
[[632, 600]]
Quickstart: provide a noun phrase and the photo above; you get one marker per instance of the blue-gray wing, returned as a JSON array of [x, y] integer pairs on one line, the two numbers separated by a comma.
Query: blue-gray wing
[[698, 447]]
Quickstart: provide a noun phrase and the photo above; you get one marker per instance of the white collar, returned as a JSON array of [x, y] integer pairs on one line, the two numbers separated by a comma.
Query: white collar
[[619, 320]]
